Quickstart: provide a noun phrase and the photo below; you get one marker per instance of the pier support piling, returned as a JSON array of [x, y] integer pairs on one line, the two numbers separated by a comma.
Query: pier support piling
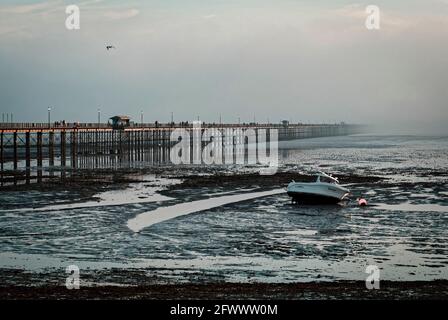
[[51, 150], [15, 150], [28, 156], [39, 156], [1, 151]]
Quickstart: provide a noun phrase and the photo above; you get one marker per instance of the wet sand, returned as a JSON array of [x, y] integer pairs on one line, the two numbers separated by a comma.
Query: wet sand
[[86, 184], [131, 284], [119, 284], [280, 179], [434, 290], [90, 181]]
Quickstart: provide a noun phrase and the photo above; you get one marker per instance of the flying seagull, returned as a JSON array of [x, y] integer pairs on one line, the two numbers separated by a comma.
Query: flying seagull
[[110, 47]]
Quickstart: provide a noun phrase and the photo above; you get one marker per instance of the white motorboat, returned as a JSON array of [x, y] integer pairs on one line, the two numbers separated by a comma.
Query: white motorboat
[[325, 190]]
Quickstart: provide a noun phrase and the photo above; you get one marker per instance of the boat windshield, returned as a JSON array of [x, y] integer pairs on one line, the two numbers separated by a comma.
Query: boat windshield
[[327, 180]]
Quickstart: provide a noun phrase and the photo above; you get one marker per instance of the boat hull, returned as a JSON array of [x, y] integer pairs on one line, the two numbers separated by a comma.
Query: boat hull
[[316, 193], [312, 198]]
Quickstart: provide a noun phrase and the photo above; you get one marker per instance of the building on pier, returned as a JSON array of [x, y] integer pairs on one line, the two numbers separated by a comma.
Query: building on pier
[[119, 122]]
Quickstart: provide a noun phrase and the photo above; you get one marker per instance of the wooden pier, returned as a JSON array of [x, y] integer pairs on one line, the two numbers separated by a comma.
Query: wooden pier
[[31, 147]]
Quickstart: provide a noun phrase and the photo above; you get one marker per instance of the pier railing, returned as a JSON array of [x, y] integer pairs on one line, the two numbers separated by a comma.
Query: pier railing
[[78, 125]]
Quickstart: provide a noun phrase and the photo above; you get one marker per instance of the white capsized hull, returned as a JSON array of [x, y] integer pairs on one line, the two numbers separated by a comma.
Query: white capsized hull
[[316, 192]]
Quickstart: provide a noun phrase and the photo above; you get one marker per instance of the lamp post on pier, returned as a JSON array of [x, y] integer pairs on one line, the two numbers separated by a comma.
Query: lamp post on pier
[[49, 117]]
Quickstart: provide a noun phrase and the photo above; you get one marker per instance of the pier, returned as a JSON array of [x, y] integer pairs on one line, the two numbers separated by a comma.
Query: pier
[[30, 150]]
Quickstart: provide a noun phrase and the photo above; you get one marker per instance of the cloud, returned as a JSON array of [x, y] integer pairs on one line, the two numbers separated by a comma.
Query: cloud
[[358, 12], [44, 7], [121, 14], [209, 16], [43, 18], [29, 8]]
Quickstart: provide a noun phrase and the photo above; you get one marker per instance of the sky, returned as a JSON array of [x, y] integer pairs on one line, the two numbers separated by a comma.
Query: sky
[[304, 61]]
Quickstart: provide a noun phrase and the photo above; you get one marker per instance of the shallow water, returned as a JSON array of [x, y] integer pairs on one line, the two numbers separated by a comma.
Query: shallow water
[[403, 231]]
